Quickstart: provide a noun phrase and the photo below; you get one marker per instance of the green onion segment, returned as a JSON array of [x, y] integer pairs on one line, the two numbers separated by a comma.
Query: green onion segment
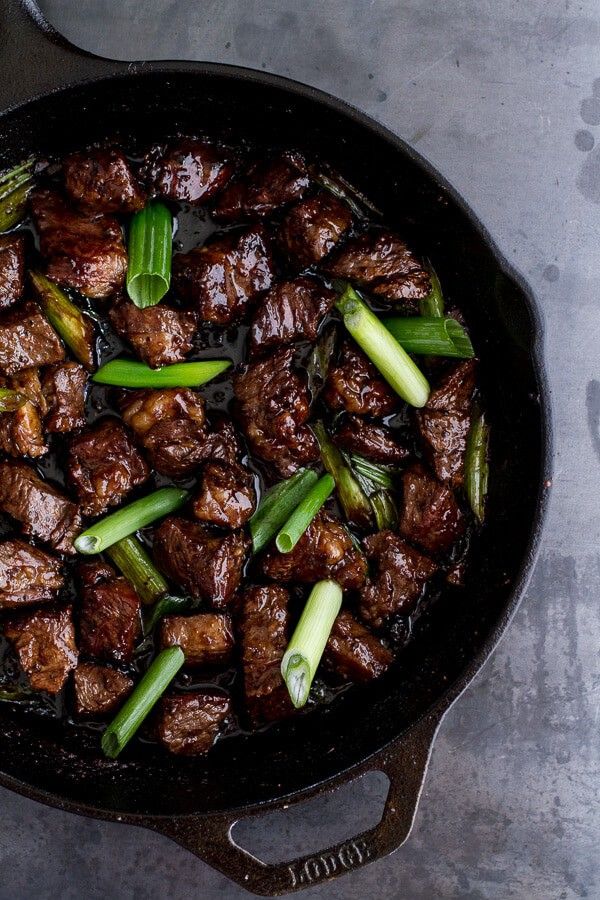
[[103, 534], [383, 350], [154, 683], [300, 519], [150, 248], [277, 505], [129, 373], [304, 651]]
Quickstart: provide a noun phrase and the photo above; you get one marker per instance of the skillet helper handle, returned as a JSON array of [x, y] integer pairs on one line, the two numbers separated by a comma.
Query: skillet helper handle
[[210, 837], [35, 59]]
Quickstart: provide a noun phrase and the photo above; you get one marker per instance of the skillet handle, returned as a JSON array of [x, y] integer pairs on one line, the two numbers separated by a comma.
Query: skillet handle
[[210, 837], [35, 59]]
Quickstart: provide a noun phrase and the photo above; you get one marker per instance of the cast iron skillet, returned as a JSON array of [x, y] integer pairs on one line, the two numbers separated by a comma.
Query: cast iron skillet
[[56, 98]]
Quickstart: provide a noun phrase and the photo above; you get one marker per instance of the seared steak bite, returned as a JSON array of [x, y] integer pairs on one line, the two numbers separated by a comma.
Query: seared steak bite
[[290, 311], [264, 627], [21, 431], [354, 384], [313, 227], [41, 509], [376, 442], [63, 386], [160, 335], [445, 421], [110, 614], [206, 638], [101, 181], [430, 514], [223, 441], [84, 253], [204, 564], [27, 575], [353, 653], [189, 170], [221, 278], [45, 644], [104, 466], [27, 339], [398, 581], [99, 689], [188, 724], [325, 550], [226, 495], [272, 405], [382, 263], [267, 185], [170, 424], [12, 268]]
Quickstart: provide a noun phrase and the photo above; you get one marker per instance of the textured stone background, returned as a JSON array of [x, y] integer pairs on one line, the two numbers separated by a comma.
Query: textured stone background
[[504, 98]]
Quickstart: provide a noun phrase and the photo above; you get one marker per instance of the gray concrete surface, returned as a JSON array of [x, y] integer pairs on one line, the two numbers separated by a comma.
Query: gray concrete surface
[[504, 98]]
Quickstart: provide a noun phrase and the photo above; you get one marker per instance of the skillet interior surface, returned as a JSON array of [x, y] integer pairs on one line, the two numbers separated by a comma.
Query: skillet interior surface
[[455, 630]]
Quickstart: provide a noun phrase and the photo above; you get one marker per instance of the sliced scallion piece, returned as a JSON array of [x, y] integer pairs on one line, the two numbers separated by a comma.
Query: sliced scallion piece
[[300, 519], [384, 509], [129, 373], [277, 505], [131, 558], [15, 185], [154, 683], [103, 534], [304, 651], [11, 400], [353, 499], [383, 350], [74, 327], [476, 464], [433, 304], [150, 247], [431, 337]]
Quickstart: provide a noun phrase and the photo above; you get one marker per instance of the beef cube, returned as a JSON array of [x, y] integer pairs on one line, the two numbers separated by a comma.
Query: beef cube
[[398, 582], [355, 385], [63, 386], [27, 339], [290, 311], [353, 653], [313, 227], [445, 421], [103, 466], [222, 441], [264, 628], [376, 442], [430, 514], [41, 509], [45, 644], [383, 264], [160, 335], [267, 185], [101, 181], [206, 638], [109, 623], [188, 724], [27, 575], [220, 279], [12, 268], [85, 253], [170, 425], [189, 170], [21, 431], [226, 496], [99, 689], [205, 565], [272, 405], [325, 550]]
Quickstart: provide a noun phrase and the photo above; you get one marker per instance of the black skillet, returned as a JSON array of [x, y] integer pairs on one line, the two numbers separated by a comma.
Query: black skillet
[[56, 98]]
